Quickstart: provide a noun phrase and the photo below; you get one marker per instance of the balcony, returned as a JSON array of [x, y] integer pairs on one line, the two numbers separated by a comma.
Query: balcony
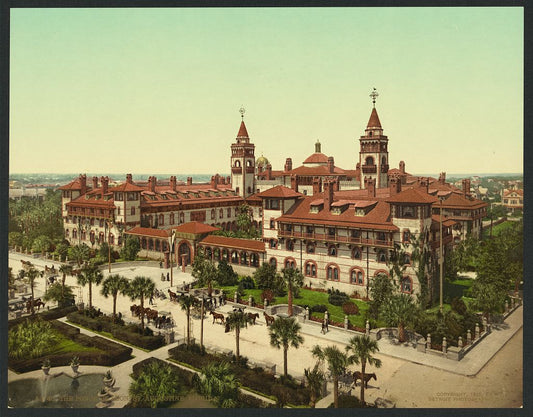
[[369, 169], [384, 169], [236, 170], [250, 170], [335, 239]]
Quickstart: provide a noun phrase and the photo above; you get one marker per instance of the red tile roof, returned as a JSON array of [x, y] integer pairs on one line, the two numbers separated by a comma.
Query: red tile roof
[[412, 195], [445, 221], [316, 171], [196, 228], [460, 202], [147, 231], [280, 191], [231, 242], [243, 133], [125, 187], [73, 185], [507, 193], [374, 120], [317, 158]]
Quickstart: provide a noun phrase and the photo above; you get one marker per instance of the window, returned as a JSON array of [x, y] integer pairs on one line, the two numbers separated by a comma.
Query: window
[[272, 224], [92, 222], [221, 213], [234, 257], [172, 219], [369, 160], [111, 239], [289, 263], [273, 262], [118, 211], [309, 229], [74, 234], [67, 233], [229, 211], [407, 285], [406, 237], [310, 269], [272, 204], [382, 257], [381, 236], [331, 231], [213, 214], [132, 211], [273, 243], [356, 234], [310, 248], [332, 272], [182, 217], [406, 259], [357, 277], [356, 253], [161, 220], [290, 245], [332, 250]]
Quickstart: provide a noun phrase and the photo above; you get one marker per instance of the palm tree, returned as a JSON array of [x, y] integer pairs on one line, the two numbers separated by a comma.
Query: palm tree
[[80, 253], [315, 379], [90, 274], [31, 275], [337, 362], [399, 311], [285, 332], [218, 382], [205, 272], [236, 321], [140, 288], [112, 285], [186, 302], [65, 269], [293, 279], [362, 349], [156, 383]]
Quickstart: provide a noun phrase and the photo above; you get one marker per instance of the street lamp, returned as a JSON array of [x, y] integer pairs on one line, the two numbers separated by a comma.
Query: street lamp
[[441, 257], [171, 244], [109, 223]]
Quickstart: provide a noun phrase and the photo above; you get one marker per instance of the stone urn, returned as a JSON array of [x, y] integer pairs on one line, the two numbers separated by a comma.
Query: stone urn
[[46, 366]]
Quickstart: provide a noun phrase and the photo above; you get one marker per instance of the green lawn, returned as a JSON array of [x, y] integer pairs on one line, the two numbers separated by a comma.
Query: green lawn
[[496, 230], [65, 345]]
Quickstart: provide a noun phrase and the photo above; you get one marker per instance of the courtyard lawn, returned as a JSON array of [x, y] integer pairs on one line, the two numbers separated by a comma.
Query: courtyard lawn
[[496, 230], [65, 345]]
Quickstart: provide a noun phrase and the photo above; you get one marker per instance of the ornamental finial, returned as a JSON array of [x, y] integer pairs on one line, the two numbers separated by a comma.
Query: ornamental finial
[[242, 110], [374, 94]]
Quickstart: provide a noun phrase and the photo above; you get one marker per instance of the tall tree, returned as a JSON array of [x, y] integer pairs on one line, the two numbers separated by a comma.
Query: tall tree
[[381, 289], [155, 384], [285, 332], [31, 275], [205, 272], [337, 361], [79, 253], [315, 378], [90, 274], [140, 288], [236, 321], [294, 280], [217, 382], [267, 277], [65, 269], [186, 302], [112, 286], [399, 311], [362, 350], [61, 294]]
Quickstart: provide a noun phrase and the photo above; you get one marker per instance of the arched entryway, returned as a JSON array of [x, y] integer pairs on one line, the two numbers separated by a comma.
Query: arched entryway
[[184, 249]]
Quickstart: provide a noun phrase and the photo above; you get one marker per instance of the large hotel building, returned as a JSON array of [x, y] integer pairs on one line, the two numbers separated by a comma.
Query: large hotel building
[[340, 227]]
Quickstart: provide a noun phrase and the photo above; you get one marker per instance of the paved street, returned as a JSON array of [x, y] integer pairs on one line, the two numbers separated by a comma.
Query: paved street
[[407, 377]]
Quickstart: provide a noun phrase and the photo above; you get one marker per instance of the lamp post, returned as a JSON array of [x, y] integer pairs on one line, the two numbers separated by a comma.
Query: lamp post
[[441, 257], [202, 323], [171, 244], [109, 223]]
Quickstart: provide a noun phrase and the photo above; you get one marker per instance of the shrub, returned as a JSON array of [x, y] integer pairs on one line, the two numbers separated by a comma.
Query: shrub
[[246, 283], [267, 295], [459, 306], [226, 276], [350, 308], [349, 401], [30, 339], [338, 298], [318, 308]]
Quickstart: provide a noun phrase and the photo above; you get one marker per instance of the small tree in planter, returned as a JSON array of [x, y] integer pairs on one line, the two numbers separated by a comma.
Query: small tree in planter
[[75, 363], [46, 365]]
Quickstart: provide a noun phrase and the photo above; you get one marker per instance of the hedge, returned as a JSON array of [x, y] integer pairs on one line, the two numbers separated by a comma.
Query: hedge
[[47, 315], [109, 354], [128, 334]]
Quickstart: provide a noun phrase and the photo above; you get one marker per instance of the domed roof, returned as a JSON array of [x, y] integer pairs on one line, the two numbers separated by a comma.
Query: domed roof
[[317, 158], [261, 161]]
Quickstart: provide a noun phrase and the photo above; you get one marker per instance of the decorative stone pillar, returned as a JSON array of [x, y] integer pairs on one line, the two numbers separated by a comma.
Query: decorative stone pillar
[[485, 323], [444, 345], [476, 333], [428, 341], [306, 313], [367, 327], [506, 306], [346, 322], [250, 300], [460, 342], [236, 297], [468, 337], [265, 303], [326, 315], [512, 302]]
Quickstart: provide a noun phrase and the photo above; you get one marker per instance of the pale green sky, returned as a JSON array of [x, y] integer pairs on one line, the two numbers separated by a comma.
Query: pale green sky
[[159, 90]]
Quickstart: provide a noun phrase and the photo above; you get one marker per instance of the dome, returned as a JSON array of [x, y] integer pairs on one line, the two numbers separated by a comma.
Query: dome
[[261, 161]]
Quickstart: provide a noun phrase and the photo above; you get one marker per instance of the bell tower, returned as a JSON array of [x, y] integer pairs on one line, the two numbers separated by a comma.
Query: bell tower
[[373, 153], [243, 162]]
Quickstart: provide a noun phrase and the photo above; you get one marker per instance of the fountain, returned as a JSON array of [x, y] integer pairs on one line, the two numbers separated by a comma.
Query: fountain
[[55, 391]]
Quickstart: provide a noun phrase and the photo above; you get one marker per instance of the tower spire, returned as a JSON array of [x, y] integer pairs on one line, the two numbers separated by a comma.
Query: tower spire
[[374, 94]]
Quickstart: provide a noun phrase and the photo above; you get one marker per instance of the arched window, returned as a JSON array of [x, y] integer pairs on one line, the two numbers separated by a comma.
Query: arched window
[[310, 269], [332, 272], [229, 211], [332, 250], [225, 254], [407, 285], [101, 223], [383, 160], [357, 276], [234, 257], [382, 257], [213, 214], [74, 233], [273, 262], [254, 260], [248, 163], [273, 243], [406, 259], [91, 237], [369, 160], [182, 217], [356, 253], [221, 213], [310, 248], [290, 245], [172, 220], [244, 258], [237, 163], [290, 263]]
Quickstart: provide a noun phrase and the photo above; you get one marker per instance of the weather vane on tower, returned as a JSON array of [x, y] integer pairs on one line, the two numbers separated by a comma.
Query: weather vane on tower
[[374, 94], [242, 110]]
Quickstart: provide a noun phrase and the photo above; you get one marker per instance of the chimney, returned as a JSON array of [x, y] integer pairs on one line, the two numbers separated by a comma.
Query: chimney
[[316, 185], [151, 183], [466, 187], [173, 183], [402, 167], [269, 172], [95, 183], [370, 185], [442, 178], [424, 183], [294, 183], [288, 164], [189, 180], [105, 182], [129, 179], [331, 164], [228, 180], [83, 183], [395, 185], [336, 184], [328, 194]]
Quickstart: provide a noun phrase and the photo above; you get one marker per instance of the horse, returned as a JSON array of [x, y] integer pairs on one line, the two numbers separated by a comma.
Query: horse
[[150, 314], [358, 375], [39, 304], [172, 295], [217, 316], [135, 310], [252, 317], [31, 302], [269, 319]]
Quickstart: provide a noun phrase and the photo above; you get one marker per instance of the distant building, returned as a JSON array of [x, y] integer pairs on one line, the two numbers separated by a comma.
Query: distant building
[[513, 199]]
